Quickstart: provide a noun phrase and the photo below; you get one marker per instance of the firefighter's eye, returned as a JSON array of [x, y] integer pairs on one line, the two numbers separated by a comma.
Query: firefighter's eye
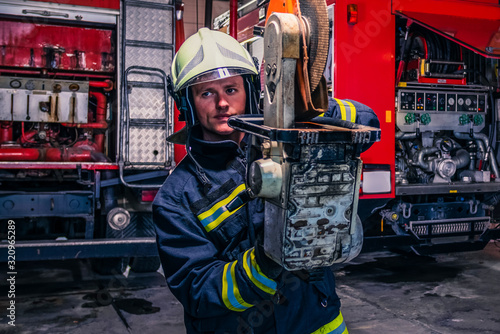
[[206, 94]]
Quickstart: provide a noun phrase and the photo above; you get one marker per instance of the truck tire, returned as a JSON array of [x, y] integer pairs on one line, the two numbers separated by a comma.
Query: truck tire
[[145, 264], [109, 266], [144, 225]]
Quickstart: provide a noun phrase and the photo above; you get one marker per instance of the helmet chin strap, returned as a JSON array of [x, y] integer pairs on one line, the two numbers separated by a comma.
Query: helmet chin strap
[[189, 111], [200, 173]]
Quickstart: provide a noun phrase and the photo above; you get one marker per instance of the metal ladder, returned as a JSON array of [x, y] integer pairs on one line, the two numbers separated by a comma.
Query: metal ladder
[[148, 37]]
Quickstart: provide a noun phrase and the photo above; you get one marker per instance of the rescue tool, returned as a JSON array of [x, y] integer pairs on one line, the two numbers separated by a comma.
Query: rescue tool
[[307, 168]]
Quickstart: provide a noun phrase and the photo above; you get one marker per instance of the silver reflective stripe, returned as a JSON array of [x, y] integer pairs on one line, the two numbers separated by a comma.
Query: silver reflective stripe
[[197, 59], [233, 55]]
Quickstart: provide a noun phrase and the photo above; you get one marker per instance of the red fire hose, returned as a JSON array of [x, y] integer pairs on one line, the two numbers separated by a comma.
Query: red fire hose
[[233, 18], [69, 154], [5, 132], [106, 84]]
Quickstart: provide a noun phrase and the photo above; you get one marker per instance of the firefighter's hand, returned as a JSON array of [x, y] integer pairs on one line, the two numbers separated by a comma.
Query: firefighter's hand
[[268, 267]]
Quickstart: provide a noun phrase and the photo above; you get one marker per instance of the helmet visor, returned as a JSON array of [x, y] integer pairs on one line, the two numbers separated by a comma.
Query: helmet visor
[[216, 74]]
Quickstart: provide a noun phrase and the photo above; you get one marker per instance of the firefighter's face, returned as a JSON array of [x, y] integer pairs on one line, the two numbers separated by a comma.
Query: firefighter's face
[[215, 102]]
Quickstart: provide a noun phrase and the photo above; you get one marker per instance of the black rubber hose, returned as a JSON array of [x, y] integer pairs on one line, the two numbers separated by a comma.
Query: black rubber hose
[[447, 55]]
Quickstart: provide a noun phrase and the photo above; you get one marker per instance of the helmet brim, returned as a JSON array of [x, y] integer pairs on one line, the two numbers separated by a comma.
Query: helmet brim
[[216, 74]]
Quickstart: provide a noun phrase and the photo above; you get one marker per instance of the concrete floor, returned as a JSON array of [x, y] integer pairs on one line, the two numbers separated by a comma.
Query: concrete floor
[[381, 293], [449, 293]]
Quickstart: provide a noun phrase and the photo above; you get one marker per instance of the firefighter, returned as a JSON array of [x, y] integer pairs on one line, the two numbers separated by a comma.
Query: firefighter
[[213, 260]]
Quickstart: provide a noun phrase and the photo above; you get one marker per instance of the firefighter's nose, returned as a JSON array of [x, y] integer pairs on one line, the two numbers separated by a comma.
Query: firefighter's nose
[[222, 102]]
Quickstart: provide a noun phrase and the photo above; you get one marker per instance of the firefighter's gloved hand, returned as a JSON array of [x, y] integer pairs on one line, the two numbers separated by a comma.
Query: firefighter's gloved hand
[[270, 268]]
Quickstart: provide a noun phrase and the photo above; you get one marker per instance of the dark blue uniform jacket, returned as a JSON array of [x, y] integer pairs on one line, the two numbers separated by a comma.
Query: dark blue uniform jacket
[[208, 257]]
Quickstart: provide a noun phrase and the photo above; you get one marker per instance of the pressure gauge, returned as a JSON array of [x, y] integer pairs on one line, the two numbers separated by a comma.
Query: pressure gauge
[[30, 85], [15, 84]]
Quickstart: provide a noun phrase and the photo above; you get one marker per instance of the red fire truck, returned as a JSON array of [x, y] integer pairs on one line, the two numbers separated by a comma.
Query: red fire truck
[[429, 69], [84, 115]]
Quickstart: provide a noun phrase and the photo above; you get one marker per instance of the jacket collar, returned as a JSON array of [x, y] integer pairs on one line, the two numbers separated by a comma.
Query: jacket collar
[[210, 154]]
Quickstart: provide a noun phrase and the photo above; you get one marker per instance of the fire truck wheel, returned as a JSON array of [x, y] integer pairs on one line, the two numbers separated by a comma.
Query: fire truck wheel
[[110, 266], [145, 264]]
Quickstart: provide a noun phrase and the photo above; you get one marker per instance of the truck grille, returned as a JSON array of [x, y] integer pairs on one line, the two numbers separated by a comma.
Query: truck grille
[[448, 227]]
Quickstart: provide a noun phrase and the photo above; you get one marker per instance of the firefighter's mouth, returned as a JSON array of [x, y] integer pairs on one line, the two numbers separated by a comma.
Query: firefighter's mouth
[[223, 116]]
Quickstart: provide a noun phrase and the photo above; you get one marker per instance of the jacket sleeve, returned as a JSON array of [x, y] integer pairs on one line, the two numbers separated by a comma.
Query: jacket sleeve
[[205, 285], [349, 110]]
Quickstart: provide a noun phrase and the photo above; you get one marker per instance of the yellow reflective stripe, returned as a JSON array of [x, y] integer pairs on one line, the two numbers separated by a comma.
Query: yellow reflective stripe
[[336, 326], [230, 293], [221, 203], [218, 212], [353, 111], [342, 109], [256, 275], [321, 115]]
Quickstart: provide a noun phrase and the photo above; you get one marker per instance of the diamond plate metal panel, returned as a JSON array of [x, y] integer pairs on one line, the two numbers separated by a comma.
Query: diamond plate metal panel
[[148, 57], [147, 103], [147, 145], [148, 40], [149, 24]]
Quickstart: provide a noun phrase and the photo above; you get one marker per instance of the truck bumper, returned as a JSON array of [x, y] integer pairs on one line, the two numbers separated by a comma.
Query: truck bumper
[[426, 246], [80, 249]]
